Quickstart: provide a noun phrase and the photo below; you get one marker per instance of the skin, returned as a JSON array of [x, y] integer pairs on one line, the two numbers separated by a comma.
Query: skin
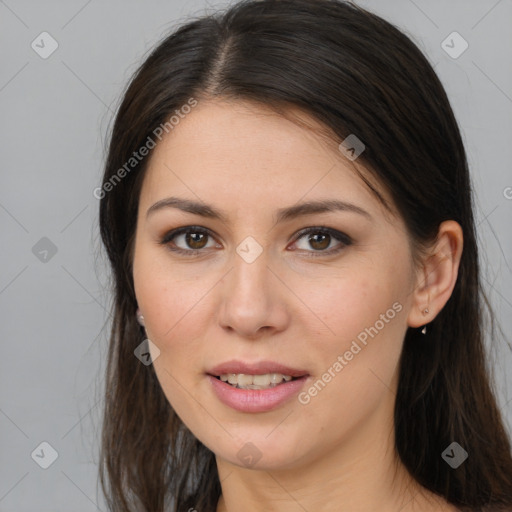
[[201, 310]]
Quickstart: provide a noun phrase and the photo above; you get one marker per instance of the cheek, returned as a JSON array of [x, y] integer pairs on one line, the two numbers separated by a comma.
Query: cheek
[[357, 364], [365, 323], [349, 304], [169, 298], [173, 311]]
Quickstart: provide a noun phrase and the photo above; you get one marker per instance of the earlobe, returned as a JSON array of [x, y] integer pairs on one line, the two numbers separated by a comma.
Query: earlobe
[[140, 318], [438, 275]]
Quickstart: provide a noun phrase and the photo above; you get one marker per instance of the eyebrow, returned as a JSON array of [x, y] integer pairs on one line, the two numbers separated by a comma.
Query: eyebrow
[[283, 214]]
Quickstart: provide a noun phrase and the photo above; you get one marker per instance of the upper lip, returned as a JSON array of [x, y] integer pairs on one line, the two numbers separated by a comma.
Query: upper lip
[[255, 368]]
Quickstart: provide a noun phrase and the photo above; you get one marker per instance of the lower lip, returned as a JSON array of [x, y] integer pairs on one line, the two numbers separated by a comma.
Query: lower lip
[[256, 400]]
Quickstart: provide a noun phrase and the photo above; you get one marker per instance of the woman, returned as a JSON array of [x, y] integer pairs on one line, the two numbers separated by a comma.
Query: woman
[[297, 320]]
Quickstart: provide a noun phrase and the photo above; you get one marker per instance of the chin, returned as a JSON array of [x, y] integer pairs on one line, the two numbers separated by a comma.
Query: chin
[[260, 455]]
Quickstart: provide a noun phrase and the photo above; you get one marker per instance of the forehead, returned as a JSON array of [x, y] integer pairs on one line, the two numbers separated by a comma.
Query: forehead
[[239, 154]]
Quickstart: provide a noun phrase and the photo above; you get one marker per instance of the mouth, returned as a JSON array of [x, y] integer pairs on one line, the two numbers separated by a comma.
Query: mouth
[[256, 392], [263, 381], [257, 375]]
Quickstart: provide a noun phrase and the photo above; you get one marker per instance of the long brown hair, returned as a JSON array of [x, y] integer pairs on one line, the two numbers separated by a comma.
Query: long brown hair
[[355, 73]]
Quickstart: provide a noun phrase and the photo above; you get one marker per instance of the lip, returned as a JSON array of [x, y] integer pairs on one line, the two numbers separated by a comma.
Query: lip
[[255, 368], [256, 400]]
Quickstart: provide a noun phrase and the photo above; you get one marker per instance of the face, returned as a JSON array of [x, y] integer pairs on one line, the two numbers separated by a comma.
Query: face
[[325, 293]]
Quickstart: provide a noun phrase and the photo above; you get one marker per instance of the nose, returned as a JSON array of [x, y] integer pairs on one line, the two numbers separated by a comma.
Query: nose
[[253, 299]]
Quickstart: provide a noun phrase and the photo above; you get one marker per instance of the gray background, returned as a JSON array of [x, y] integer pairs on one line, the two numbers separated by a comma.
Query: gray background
[[55, 113]]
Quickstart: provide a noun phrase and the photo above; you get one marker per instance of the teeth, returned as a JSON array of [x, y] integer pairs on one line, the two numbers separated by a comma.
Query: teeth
[[244, 381]]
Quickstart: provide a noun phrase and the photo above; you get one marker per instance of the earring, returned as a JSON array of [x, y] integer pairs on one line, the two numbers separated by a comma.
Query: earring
[[140, 318], [424, 330]]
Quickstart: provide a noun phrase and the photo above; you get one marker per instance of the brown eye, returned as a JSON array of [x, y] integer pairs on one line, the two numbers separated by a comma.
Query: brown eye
[[187, 240], [319, 239], [195, 240]]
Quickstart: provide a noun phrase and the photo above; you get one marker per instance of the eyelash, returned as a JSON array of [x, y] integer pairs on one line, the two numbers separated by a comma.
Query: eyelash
[[337, 235]]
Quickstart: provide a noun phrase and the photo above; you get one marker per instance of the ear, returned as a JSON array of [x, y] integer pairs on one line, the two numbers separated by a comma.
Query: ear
[[436, 279]]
